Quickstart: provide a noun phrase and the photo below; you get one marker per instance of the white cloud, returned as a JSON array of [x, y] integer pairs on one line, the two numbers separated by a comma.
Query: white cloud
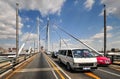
[[69, 44], [109, 28], [96, 41], [8, 21], [7, 45], [44, 6], [55, 46], [27, 19], [28, 26], [108, 11], [98, 36], [116, 42], [8, 13], [60, 20], [89, 3], [65, 43], [88, 41], [76, 2], [101, 36], [66, 40], [112, 7], [29, 37]]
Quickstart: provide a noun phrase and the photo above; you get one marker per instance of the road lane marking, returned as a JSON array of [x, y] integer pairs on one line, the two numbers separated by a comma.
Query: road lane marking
[[55, 67], [62, 77], [89, 74], [109, 72], [35, 69], [92, 75], [58, 67], [19, 68], [51, 67]]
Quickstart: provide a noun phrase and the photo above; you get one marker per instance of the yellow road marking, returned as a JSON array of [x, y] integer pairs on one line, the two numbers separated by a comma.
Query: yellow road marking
[[87, 73], [35, 69], [57, 70], [92, 75], [19, 68]]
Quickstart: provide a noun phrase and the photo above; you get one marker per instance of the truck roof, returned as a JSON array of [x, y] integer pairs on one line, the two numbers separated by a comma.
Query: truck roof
[[74, 49]]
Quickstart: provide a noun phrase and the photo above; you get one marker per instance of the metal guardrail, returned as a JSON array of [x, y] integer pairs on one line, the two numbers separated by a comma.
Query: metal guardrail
[[5, 65], [114, 58], [10, 63]]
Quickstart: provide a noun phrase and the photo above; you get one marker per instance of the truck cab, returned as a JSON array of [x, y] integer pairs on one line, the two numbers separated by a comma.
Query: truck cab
[[78, 59]]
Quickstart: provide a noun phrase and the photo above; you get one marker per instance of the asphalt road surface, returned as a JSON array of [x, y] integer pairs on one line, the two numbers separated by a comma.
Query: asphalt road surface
[[38, 68], [100, 73], [41, 67]]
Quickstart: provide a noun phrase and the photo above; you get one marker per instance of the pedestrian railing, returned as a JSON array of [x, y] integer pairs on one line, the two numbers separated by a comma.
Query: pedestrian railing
[[10, 63], [114, 57]]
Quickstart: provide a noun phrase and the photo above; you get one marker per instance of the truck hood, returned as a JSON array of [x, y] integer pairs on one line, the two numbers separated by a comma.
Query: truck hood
[[85, 60]]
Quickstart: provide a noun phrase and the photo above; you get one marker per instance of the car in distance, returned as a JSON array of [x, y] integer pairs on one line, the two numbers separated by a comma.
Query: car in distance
[[78, 59], [48, 52], [54, 54], [102, 60]]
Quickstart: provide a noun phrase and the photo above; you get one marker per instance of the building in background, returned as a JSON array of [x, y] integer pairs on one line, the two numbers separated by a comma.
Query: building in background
[[2, 50]]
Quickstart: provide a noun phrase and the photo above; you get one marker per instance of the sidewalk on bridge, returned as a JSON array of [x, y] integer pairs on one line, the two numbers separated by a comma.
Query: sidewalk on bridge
[[116, 65]]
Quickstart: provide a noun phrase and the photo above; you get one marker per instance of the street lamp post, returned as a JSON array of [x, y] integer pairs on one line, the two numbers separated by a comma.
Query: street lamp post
[[104, 30], [17, 33]]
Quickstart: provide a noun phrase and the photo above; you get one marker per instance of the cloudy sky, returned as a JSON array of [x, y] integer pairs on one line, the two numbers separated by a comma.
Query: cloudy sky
[[81, 18]]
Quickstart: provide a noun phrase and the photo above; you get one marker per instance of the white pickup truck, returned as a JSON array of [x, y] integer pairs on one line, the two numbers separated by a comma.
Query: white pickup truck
[[78, 59]]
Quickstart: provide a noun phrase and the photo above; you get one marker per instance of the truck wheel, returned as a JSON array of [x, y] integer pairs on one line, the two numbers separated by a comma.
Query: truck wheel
[[68, 67], [60, 61]]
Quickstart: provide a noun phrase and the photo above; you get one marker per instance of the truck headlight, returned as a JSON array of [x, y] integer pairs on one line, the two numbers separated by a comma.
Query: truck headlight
[[95, 64]]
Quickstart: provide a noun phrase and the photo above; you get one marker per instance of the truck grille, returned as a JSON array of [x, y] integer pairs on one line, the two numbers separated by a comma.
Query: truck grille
[[86, 64]]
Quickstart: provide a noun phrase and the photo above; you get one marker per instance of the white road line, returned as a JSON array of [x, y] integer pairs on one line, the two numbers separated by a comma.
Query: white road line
[[60, 69], [51, 67], [109, 72]]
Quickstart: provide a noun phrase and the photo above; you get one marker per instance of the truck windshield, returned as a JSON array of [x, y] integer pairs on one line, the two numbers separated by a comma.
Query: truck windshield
[[80, 53]]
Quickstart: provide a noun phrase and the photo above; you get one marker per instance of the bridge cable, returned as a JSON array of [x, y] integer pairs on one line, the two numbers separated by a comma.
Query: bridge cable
[[77, 39]]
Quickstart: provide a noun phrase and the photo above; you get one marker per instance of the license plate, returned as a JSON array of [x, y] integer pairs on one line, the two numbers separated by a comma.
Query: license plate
[[107, 62], [86, 68]]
